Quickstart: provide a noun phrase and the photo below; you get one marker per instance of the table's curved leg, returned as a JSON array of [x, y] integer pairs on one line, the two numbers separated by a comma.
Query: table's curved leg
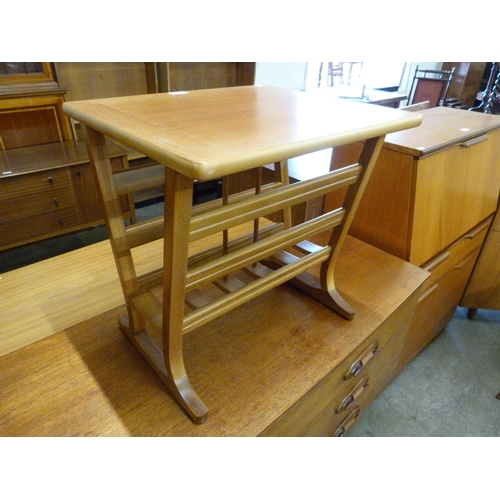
[[178, 205], [325, 290], [330, 297], [172, 372]]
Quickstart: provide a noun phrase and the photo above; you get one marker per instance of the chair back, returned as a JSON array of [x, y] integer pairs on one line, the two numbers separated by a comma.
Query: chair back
[[430, 85]]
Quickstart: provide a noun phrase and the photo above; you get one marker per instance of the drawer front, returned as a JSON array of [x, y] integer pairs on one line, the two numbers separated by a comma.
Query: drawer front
[[343, 378], [448, 259], [336, 419], [30, 205], [14, 188], [17, 231], [437, 304], [455, 190]]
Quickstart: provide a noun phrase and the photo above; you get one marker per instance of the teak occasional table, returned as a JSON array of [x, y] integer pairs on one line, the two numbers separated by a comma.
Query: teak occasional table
[[209, 134]]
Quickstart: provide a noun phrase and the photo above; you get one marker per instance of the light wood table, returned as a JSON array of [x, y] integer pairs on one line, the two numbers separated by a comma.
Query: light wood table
[[209, 134]]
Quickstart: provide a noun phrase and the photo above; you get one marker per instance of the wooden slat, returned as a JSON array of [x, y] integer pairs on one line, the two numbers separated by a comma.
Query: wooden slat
[[145, 232], [217, 220], [248, 255], [226, 303], [135, 179]]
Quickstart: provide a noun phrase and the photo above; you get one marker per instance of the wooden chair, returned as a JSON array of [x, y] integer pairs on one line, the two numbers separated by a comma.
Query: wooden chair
[[334, 70], [430, 85]]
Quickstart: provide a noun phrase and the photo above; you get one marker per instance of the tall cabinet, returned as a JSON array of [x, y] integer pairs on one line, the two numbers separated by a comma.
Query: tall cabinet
[[46, 185], [430, 201]]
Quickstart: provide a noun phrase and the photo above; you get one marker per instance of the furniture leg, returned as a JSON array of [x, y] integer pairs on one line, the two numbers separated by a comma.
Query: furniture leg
[[325, 290], [97, 149], [178, 196]]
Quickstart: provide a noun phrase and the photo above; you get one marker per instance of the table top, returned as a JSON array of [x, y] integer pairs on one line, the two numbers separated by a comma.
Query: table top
[[205, 134], [441, 128]]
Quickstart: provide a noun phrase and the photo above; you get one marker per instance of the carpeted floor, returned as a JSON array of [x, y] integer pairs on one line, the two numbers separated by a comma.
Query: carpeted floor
[[449, 389]]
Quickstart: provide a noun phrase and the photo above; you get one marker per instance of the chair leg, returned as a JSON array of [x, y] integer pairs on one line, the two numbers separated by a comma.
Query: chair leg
[[471, 313]]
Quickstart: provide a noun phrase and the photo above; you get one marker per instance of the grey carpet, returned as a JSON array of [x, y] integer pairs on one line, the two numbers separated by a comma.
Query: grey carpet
[[449, 389]]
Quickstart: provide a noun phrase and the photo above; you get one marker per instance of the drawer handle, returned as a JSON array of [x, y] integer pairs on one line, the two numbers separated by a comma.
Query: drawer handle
[[353, 395], [61, 221], [347, 423], [439, 260], [56, 202], [473, 142], [362, 361], [428, 292], [50, 180]]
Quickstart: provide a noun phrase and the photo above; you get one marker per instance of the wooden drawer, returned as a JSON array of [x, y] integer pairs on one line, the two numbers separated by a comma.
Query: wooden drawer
[[19, 186], [25, 207], [336, 419], [448, 259], [341, 380], [442, 292], [49, 223]]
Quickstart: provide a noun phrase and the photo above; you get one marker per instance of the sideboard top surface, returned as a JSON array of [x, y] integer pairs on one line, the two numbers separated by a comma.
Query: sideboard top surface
[[263, 357], [442, 128]]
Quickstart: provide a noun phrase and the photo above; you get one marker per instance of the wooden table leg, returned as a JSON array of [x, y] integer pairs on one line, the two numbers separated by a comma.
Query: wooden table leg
[[178, 203], [325, 290]]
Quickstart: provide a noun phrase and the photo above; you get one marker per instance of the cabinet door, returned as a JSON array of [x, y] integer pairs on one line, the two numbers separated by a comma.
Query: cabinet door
[[28, 121], [455, 190]]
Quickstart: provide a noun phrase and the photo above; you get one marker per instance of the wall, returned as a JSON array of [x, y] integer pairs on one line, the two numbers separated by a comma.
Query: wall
[[291, 75]]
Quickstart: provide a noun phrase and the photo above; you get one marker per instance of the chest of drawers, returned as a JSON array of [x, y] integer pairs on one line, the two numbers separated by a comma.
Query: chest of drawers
[[430, 201], [49, 190]]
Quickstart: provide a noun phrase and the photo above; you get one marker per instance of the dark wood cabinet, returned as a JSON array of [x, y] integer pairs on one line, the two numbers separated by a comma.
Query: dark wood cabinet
[[49, 190]]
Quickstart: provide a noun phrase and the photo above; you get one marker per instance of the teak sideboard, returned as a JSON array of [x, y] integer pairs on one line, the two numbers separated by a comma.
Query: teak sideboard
[[430, 201], [49, 189], [280, 365]]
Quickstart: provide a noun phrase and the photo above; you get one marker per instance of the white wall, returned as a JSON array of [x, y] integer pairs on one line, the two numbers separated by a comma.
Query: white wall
[[290, 75]]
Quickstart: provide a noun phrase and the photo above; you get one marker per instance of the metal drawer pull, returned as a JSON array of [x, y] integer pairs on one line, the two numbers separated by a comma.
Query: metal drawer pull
[[473, 142], [56, 202], [353, 395], [346, 424], [362, 361], [50, 180]]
